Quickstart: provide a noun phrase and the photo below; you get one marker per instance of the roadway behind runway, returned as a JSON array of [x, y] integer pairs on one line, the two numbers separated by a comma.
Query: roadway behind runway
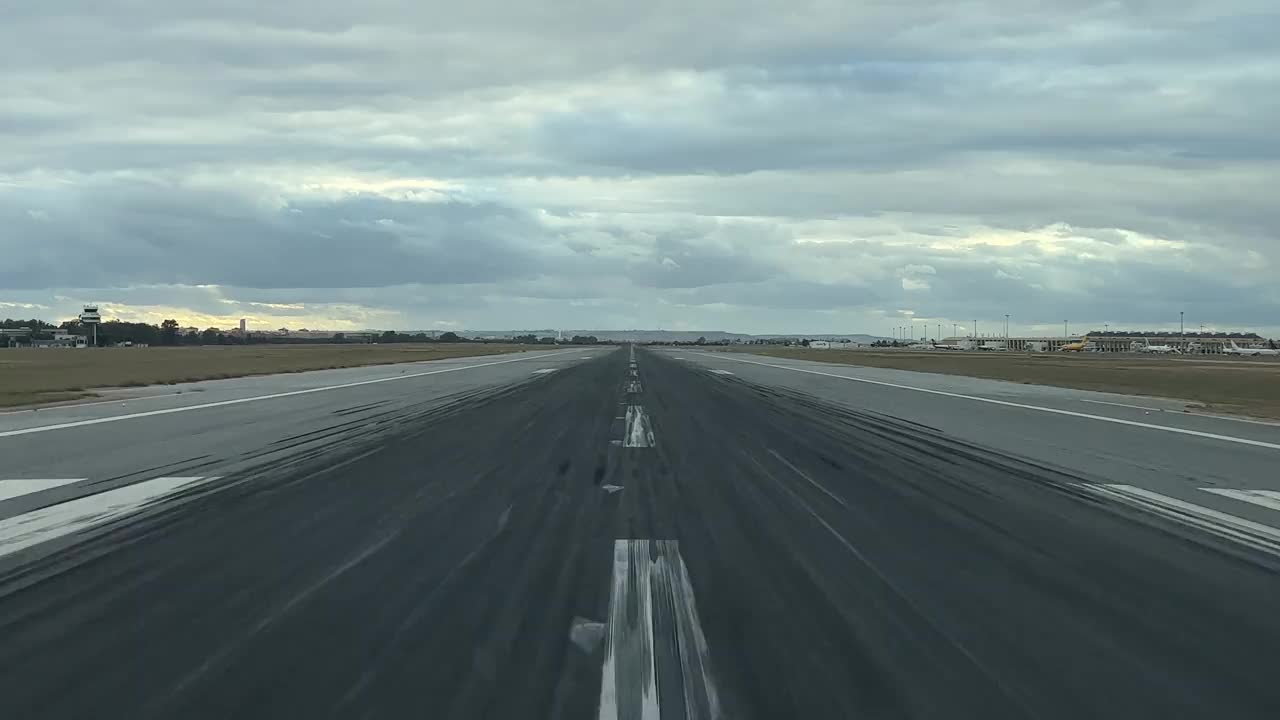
[[609, 541]]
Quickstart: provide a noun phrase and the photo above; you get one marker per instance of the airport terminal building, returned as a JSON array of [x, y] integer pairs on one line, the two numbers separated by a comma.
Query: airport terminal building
[[1116, 341]]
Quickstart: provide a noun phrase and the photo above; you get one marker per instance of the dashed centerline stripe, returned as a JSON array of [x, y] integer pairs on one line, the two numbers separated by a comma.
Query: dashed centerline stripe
[[654, 633], [257, 398], [637, 433]]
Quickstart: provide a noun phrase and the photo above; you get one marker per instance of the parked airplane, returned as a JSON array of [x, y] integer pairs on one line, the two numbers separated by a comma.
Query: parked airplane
[[1081, 346], [1252, 351], [1145, 347]]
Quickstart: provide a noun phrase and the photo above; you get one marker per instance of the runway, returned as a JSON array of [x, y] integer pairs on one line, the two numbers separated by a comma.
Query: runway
[[633, 533]]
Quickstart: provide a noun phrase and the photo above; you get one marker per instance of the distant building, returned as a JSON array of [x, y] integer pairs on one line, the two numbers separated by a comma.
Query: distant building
[[14, 337], [62, 339], [1112, 341], [242, 326]]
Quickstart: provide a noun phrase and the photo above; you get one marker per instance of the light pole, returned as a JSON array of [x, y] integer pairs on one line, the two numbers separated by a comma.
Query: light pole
[[1065, 334], [1006, 327], [1106, 327], [1182, 325], [975, 329]]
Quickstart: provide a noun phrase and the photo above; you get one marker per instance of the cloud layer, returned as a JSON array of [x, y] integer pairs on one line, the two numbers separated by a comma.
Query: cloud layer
[[760, 166]]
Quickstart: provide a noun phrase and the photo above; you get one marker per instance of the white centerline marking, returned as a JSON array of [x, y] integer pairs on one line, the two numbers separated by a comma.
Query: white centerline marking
[[257, 398], [629, 678], [1246, 532], [1269, 499], [722, 372], [37, 526], [653, 626], [1006, 403], [544, 371], [637, 433], [18, 488]]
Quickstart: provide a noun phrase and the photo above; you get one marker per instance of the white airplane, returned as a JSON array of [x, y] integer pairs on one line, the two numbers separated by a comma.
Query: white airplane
[[1252, 351], [1145, 347]]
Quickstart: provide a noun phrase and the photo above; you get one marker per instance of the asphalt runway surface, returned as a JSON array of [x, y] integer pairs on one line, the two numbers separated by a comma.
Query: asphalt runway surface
[[664, 534]]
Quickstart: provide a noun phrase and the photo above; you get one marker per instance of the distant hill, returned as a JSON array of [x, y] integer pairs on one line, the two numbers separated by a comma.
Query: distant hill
[[644, 336]]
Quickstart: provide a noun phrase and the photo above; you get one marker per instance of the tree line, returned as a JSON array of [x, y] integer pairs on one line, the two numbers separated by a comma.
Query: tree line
[[115, 332]]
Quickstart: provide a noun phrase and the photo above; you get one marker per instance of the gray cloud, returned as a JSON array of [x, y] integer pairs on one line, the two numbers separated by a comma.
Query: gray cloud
[[405, 163], [141, 233]]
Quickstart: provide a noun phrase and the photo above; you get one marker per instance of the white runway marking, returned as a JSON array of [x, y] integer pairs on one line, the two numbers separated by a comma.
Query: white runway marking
[[544, 371], [722, 372], [586, 634], [653, 621], [18, 488], [1269, 499], [257, 398], [638, 433], [37, 526], [1006, 403], [1246, 532]]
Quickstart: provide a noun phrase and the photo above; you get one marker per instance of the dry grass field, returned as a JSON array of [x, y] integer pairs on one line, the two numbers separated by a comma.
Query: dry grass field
[[33, 376], [1245, 386]]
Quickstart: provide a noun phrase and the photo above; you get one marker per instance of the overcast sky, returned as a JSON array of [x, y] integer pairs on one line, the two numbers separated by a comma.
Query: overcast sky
[[748, 165]]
